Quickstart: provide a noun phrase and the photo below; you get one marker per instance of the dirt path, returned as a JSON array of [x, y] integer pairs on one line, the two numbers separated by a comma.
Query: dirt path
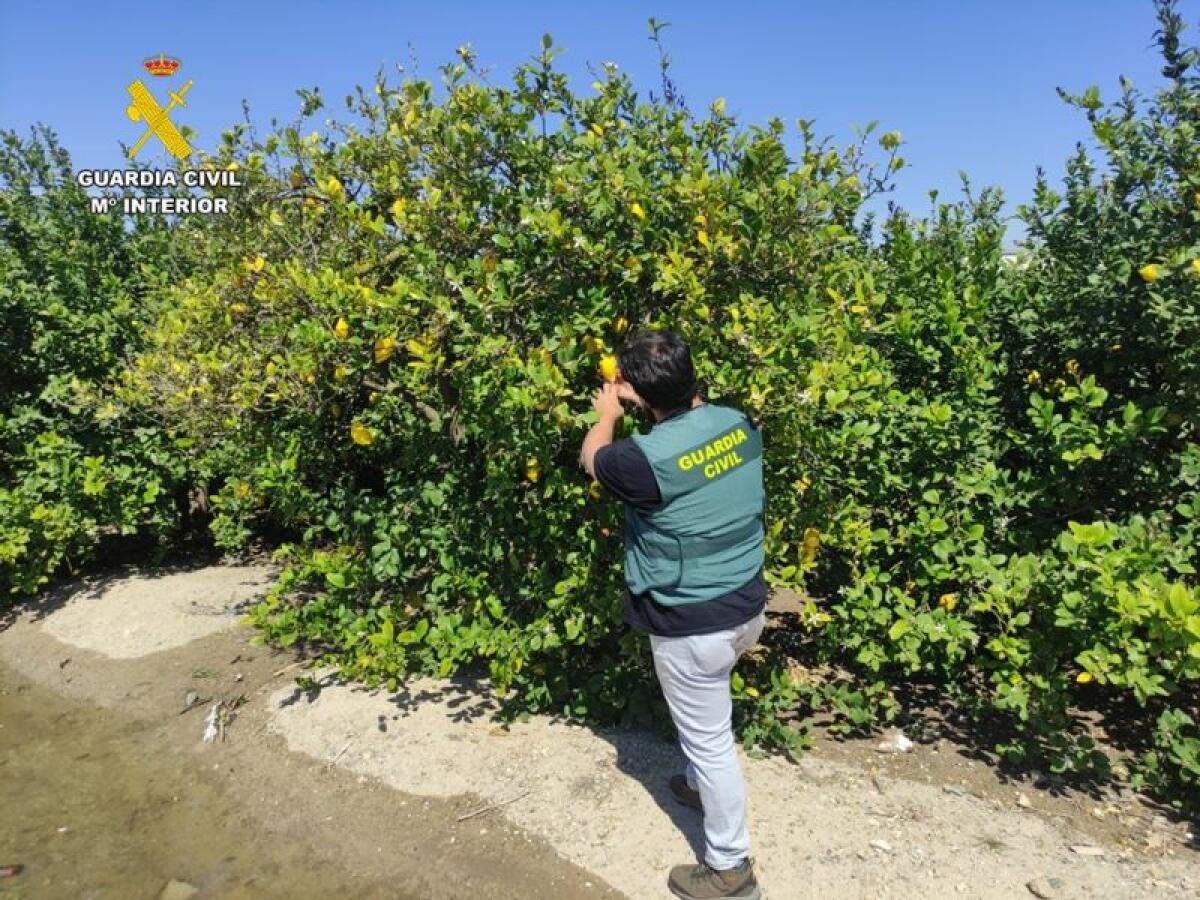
[[98, 746], [585, 812]]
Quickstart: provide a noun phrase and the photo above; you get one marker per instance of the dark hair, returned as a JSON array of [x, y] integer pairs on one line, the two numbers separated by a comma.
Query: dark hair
[[658, 365]]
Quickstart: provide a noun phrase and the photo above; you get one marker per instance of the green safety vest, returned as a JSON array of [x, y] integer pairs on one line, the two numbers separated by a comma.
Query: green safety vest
[[706, 539]]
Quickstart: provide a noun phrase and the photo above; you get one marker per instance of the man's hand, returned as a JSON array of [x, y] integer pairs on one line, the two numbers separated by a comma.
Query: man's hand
[[607, 402], [626, 392]]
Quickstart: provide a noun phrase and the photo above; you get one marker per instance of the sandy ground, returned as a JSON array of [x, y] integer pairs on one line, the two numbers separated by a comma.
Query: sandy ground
[[582, 812], [143, 614]]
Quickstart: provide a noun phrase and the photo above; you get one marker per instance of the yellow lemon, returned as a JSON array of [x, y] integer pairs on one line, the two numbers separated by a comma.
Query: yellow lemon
[[342, 329], [296, 179], [340, 373], [802, 484], [361, 434], [1084, 678], [594, 490], [239, 309], [636, 209], [948, 601], [532, 471], [333, 186], [808, 547], [1196, 265], [1073, 366], [1034, 377], [309, 377], [608, 367], [1150, 273], [398, 209], [752, 692], [275, 218], [621, 325], [384, 348]]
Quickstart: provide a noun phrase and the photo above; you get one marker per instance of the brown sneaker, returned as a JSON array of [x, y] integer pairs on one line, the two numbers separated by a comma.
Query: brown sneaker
[[684, 794], [701, 882]]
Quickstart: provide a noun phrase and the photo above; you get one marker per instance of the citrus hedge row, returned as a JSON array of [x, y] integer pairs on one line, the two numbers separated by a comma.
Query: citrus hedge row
[[982, 471], [75, 466]]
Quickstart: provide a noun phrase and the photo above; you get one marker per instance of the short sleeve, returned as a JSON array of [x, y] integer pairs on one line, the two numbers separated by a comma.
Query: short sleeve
[[623, 469]]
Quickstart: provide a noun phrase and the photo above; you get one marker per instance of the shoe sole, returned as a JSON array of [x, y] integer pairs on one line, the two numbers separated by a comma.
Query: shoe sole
[[756, 894]]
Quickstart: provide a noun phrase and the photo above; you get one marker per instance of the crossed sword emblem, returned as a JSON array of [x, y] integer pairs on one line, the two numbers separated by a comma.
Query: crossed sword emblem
[[158, 119]]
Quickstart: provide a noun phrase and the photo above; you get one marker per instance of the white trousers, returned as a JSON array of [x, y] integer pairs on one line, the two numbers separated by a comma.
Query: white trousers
[[694, 674]]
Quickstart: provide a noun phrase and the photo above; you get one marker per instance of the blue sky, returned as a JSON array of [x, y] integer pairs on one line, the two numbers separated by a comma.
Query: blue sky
[[969, 83]]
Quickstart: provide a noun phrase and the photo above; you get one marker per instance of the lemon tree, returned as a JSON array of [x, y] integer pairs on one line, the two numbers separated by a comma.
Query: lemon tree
[[982, 468]]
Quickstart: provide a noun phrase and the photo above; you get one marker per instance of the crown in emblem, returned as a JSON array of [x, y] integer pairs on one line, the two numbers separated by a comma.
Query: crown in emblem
[[161, 65]]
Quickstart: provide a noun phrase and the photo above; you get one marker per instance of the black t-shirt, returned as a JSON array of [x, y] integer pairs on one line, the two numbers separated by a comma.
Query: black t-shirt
[[623, 469]]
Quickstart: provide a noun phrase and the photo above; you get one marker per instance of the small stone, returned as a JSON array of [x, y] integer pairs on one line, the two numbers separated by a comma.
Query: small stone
[[190, 699], [1023, 801], [238, 677], [178, 890], [956, 789], [882, 846], [1087, 850], [896, 742], [1046, 888]]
